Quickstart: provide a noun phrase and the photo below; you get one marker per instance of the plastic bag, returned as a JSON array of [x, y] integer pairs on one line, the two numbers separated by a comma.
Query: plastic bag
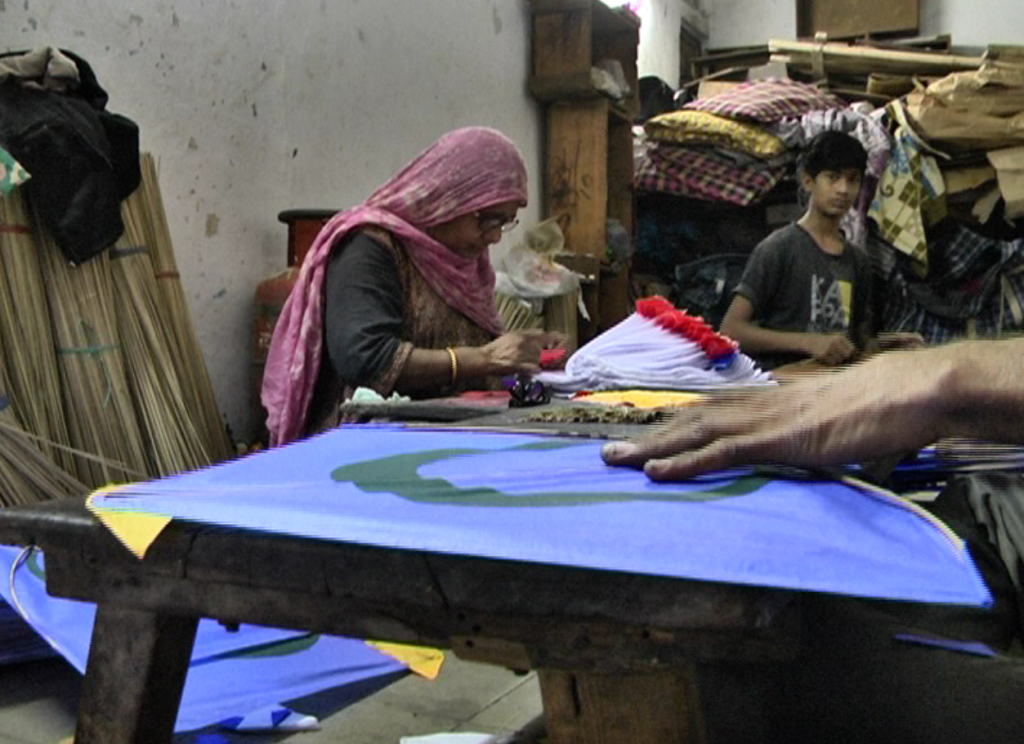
[[528, 269]]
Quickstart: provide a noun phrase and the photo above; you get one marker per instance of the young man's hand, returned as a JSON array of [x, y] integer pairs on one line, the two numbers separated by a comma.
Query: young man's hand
[[900, 340], [830, 348]]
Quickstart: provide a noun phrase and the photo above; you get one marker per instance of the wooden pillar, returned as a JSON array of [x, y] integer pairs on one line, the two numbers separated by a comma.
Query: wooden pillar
[[588, 165], [576, 173], [651, 707]]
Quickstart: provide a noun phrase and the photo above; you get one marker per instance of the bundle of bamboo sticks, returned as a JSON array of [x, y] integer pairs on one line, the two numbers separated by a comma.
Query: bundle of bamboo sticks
[[29, 360], [101, 376], [98, 404], [516, 314], [560, 313], [187, 358], [26, 475], [166, 419], [850, 59]]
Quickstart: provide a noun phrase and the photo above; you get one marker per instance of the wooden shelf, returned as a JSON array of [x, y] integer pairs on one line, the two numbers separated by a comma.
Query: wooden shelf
[[572, 36], [849, 18], [604, 19], [575, 86]]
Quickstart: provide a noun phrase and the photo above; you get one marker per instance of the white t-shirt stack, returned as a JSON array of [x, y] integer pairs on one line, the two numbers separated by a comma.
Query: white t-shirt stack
[[657, 347]]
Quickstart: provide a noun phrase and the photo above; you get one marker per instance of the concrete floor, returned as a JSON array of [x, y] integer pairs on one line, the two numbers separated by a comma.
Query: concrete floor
[[38, 701]]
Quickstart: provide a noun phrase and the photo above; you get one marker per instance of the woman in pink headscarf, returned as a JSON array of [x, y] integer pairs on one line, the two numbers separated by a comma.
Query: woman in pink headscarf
[[400, 291]]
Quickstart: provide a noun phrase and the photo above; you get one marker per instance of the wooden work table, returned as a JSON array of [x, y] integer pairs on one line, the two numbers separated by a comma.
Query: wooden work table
[[494, 414], [617, 653]]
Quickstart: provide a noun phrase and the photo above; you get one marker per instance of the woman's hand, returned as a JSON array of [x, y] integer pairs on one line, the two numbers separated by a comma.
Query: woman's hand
[[519, 351], [892, 404]]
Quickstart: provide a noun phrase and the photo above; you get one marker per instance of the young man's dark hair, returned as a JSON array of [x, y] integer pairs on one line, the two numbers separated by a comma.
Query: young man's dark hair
[[833, 151]]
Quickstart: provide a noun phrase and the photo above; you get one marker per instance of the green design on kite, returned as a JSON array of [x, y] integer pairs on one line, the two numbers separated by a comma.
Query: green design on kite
[[399, 475]]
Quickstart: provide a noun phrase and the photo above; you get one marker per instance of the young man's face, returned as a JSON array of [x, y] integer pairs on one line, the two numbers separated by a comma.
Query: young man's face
[[833, 192]]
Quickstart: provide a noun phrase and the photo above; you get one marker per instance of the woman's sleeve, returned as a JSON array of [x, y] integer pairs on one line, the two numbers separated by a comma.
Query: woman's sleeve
[[363, 310]]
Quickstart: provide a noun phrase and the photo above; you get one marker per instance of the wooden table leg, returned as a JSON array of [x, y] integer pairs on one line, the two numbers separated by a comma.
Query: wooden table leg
[[135, 675], [655, 707]]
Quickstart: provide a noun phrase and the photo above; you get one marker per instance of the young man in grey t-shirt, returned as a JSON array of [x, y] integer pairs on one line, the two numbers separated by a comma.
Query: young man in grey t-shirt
[[805, 292]]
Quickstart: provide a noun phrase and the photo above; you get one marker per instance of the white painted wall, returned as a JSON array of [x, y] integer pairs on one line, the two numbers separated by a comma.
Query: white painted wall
[[972, 23], [734, 23], [256, 106], [660, 22]]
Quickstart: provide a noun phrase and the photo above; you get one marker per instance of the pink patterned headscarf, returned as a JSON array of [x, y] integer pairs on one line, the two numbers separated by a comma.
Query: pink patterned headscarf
[[464, 171]]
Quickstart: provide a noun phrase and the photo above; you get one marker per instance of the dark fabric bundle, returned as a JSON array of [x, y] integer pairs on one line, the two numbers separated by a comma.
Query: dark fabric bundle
[[83, 159]]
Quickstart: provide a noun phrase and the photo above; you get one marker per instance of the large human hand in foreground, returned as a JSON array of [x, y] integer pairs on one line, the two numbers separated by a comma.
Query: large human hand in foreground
[[890, 404]]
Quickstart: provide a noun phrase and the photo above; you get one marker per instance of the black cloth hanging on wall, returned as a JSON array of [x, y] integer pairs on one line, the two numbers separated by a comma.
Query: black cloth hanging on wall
[[83, 159]]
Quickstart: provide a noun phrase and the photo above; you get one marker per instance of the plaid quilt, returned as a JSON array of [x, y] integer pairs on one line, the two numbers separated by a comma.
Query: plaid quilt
[[702, 174], [975, 287], [768, 100]]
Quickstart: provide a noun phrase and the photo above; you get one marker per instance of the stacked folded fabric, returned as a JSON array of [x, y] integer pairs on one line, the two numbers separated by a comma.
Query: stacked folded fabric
[[723, 148], [657, 347]]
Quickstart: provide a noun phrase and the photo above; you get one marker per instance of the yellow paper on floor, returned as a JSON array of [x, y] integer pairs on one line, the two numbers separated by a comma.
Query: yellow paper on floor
[[422, 660], [641, 398]]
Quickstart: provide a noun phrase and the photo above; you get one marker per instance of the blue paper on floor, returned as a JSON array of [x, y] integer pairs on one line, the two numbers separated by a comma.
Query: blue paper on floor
[[552, 500], [18, 642], [232, 673]]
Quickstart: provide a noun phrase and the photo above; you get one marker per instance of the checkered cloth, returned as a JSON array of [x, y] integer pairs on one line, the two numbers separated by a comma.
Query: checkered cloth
[[908, 197], [703, 174], [979, 291], [768, 100]]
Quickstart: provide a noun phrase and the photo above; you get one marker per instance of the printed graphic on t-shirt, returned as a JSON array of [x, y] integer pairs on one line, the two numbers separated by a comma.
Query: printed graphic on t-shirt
[[830, 304]]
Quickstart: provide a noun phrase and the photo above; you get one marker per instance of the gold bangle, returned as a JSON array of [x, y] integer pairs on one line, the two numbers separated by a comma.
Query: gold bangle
[[455, 364]]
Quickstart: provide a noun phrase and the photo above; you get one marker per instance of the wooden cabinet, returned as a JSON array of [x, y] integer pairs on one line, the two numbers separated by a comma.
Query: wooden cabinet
[[570, 37], [588, 160], [850, 18]]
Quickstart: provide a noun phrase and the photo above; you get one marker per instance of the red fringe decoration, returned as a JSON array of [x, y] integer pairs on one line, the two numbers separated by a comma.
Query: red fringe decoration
[[717, 347]]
